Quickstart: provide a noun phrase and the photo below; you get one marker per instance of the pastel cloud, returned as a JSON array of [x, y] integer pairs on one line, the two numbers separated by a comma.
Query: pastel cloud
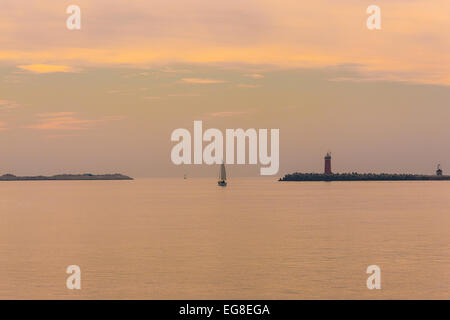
[[202, 81], [224, 114], [8, 105], [227, 113], [55, 114], [254, 75], [3, 126], [45, 68], [151, 98], [245, 85], [65, 121]]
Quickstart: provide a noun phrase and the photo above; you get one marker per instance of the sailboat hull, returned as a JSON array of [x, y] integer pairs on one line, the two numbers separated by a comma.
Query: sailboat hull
[[222, 183]]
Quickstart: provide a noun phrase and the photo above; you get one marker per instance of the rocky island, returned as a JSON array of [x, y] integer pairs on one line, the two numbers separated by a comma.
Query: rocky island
[[85, 176]]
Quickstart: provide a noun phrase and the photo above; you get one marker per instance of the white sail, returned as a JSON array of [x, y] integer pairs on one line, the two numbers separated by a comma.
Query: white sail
[[223, 173]]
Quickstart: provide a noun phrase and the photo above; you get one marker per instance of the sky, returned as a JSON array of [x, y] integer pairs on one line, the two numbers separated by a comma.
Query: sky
[[107, 97]]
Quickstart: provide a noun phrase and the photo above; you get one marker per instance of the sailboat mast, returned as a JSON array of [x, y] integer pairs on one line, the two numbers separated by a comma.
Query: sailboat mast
[[223, 173]]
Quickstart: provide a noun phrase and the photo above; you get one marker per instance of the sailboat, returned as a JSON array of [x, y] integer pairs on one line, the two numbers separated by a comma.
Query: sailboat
[[222, 176]]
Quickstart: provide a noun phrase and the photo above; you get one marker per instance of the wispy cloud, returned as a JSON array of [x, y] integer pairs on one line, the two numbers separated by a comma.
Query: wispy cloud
[[12, 79], [151, 98], [202, 80], [245, 85], [361, 74], [184, 95], [63, 135], [66, 121], [254, 75], [169, 69], [8, 105], [136, 75], [227, 113], [224, 114], [121, 92], [55, 114], [45, 68], [3, 126]]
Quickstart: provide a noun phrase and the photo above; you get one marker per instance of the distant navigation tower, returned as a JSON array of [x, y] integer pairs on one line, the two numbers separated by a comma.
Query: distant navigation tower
[[439, 170], [328, 163]]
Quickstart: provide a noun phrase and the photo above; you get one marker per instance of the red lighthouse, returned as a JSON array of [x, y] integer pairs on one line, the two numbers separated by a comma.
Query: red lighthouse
[[328, 163]]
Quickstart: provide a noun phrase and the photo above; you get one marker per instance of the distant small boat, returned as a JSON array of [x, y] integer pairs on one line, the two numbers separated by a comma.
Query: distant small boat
[[222, 176], [185, 177]]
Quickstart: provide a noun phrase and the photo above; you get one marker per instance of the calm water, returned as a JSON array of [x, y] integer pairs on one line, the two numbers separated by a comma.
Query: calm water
[[257, 238]]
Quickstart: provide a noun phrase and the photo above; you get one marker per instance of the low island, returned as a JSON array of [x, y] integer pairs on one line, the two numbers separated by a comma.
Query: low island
[[328, 175], [360, 177], [86, 176]]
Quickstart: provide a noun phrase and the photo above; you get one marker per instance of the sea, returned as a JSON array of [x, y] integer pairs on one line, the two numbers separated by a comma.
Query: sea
[[257, 238]]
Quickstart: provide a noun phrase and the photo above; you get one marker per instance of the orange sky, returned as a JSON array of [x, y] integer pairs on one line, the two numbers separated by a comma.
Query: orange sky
[[138, 69], [413, 45]]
